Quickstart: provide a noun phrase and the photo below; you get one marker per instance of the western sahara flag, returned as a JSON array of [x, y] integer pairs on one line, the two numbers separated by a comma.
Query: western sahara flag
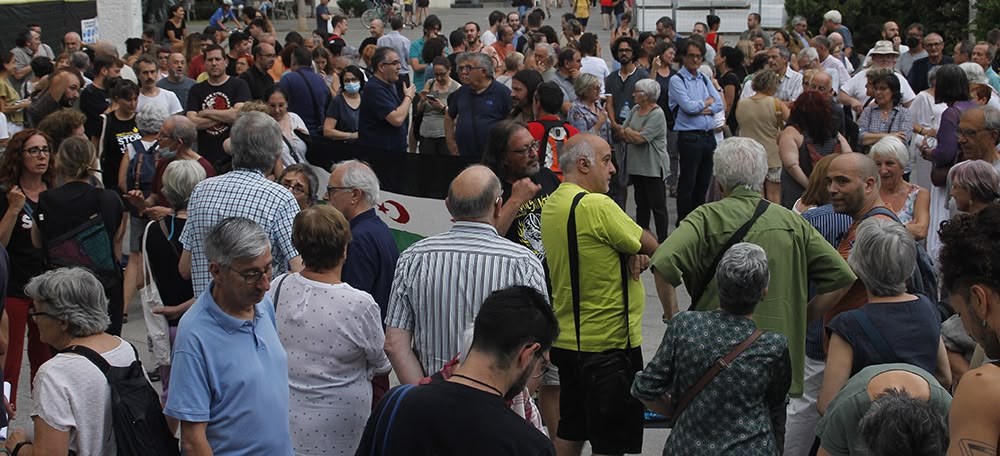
[[413, 187]]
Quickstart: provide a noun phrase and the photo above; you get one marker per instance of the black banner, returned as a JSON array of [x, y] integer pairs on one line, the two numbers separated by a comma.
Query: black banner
[[56, 18]]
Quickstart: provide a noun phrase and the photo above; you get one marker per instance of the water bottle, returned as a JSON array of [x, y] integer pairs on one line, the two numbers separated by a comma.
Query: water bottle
[[625, 111]]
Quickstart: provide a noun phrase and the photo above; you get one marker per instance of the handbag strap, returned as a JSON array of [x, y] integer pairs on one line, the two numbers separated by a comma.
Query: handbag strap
[[394, 399], [737, 237], [166, 234], [720, 364], [883, 348], [574, 274], [277, 292], [312, 95]]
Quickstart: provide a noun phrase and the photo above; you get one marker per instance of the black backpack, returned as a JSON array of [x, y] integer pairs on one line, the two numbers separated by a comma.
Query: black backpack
[[136, 415]]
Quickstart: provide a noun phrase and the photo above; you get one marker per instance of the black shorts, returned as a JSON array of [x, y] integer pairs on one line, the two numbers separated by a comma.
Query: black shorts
[[612, 420], [607, 9], [408, 8], [583, 21], [423, 3]]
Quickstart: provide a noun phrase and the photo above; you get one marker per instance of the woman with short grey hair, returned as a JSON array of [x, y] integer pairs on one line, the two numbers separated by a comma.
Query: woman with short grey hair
[[895, 326], [910, 202], [742, 409], [70, 308], [587, 112], [645, 133]]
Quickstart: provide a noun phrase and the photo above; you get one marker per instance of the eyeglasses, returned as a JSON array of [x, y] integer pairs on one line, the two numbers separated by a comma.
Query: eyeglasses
[[621, 50], [545, 367], [393, 63], [38, 150], [465, 68], [968, 132], [33, 314], [253, 277], [526, 151], [331, 189], [293, 187], [934, 44]]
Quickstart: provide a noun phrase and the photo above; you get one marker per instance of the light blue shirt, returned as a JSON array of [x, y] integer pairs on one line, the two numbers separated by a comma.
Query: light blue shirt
[[993, 78], [233, 375], [401, 45], [688, 92]]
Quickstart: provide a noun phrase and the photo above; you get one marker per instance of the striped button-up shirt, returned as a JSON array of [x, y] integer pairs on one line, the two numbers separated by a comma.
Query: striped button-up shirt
[[441, 282], [239, 193]]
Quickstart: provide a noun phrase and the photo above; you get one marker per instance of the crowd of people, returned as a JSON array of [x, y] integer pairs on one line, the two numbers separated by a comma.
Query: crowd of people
[[837, 307]]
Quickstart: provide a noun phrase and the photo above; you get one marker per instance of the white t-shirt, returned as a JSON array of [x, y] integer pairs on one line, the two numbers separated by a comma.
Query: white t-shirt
[[165, 97], [298, 146], [488, 38], [597, 67], [72, 395], [855, 87]]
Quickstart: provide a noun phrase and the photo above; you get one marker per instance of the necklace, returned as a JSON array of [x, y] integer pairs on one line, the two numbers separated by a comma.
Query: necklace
[[478, 382]]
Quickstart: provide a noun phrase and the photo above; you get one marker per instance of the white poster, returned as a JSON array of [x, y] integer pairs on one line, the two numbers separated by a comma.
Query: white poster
[[89, 33]]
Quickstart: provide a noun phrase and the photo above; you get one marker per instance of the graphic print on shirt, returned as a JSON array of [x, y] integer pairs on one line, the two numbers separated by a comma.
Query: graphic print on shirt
[[528, 222], [123, 139], [217, 100]]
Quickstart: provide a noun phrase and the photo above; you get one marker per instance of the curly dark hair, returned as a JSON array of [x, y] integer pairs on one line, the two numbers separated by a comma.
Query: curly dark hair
[[970, 250], [813, 114], [12, 161]]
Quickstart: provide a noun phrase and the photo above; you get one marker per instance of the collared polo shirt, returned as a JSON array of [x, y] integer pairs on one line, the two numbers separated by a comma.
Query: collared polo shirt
[[233, 375], [371, 258], [376, 133], [798, 255], [239, 193]]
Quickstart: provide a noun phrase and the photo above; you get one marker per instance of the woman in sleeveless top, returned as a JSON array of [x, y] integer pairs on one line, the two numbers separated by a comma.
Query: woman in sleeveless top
[[761, 118], [809, 137], [910, 202]]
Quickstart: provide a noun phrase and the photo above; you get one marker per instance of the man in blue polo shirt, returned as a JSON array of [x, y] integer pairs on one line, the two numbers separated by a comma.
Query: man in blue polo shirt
[[229, 382], [382, 119], [476, 107]]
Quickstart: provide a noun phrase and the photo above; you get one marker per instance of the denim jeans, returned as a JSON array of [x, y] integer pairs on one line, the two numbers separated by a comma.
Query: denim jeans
[[695, 149]]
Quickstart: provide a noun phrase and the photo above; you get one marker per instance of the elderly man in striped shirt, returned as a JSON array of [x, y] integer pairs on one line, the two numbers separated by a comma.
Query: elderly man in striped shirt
[[441, 281]]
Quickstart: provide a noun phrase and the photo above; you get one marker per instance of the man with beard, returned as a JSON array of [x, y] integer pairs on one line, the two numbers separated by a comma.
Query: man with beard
[[213, 106], [62, 92], [474, 108], [522, 92], [146, 71], [432, 301], [94, 99], [176, 80], [467, 413], [619, 87], [256, 77], [383, 115]]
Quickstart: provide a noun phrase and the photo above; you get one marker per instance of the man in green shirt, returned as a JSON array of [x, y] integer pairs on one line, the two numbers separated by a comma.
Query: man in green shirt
[[610, 418], [797, 253]]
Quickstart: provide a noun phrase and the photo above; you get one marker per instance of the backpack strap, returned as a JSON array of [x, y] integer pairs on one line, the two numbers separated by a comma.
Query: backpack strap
[[880, 210], [95, 357], [277, 291], [883, 348], [736, 238], [393, 401]]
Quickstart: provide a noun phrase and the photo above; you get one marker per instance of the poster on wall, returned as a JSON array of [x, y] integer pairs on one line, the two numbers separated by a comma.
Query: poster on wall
[[88, 31]]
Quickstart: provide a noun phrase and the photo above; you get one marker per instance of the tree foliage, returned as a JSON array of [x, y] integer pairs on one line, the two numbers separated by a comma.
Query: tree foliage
[[950, 18]]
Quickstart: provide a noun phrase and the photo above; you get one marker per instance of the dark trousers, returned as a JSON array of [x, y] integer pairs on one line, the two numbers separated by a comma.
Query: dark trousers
[[651, 196], [433, 146], [695, 149]]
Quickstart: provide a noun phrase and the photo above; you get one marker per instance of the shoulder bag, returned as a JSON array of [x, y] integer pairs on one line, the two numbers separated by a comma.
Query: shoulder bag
[[737, 237]]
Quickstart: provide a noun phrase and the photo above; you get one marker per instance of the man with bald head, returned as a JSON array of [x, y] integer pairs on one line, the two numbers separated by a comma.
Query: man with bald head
[[603, 262], [72, 43], [441, 281]]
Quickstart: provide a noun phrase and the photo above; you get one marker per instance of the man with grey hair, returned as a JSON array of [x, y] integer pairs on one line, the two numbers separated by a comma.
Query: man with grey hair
[[790, 86], [590, 301], [242, 192], [799, 32], [934, 56], [476, 107], [982, 54], [798, 254], [832, 23], [228, 363], [441, 281], [979, 134], [372, 253], [830, 62], [544, 59], [72, 42]]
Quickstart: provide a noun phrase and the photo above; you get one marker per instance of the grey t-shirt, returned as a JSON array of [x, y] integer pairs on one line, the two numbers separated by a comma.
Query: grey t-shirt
[[649, 159], [180, 89], [838, 429]]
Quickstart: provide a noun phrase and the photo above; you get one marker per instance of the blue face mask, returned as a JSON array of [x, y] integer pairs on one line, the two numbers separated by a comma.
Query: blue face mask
[[352, 87]]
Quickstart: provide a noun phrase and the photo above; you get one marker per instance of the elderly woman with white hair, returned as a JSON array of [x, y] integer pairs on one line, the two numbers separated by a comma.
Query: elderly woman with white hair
[[741, 409], [895, 326], [587, 112], [645, 133], [72, 412], [910, 202], [136, 173]]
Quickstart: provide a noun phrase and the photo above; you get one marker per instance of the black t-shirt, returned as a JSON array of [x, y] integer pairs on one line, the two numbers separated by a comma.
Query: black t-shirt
[[64, 208], [178, 31], [732, 79], [163, 259], [118, 134], [204, 95], [93, 103], [258, 82], [347, 117], [378, 134], [526, 229], [26, 261], [448, 418]]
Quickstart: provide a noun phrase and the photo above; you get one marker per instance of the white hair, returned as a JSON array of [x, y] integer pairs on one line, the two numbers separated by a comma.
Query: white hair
[[648, 87], [884, 256], [357, 174], [740, 162], [891, 147], [833, 16]]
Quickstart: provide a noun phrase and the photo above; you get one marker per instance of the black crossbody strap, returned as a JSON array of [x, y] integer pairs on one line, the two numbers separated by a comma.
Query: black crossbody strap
[[315, 101], [277, 292], [574, 278], [574, 264], [736, 238]]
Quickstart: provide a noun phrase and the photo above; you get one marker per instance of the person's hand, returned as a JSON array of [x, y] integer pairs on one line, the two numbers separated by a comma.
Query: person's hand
[[157, 213], [170, 312], [896, 41], [435, 103], [930, 132], [524, 189], [423, 94], [602, 116], [900, 135], [638, 263], [857, 107], [410, 91], [709, 101], [136, 198], [16, 198], [573, 74]]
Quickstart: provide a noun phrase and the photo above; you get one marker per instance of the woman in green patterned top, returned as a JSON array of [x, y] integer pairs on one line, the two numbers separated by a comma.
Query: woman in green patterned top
[[742, 410]]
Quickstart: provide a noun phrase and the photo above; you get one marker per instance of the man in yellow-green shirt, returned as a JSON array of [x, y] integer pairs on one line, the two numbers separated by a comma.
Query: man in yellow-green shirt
[[609, 418]]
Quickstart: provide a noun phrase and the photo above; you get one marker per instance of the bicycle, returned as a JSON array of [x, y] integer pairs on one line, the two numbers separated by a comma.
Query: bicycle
[[381, 9]]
